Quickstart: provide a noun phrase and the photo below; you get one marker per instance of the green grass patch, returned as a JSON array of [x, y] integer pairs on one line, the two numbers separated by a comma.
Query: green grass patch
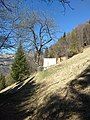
[[46, 73]]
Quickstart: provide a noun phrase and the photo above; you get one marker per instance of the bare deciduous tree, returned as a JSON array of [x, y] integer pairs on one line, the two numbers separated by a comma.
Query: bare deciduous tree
[[39, 30], [8, 5], [7, 19]]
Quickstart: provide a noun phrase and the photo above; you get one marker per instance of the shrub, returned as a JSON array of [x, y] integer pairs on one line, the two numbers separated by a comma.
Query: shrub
[[9, 80], [2, 81]]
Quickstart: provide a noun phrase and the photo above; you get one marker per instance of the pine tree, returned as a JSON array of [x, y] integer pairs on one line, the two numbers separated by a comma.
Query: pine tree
[[20, 67], [2, 81], [74, 43]]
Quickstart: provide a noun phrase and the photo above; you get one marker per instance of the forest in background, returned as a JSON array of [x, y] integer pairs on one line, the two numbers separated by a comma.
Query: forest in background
[[71, 43]]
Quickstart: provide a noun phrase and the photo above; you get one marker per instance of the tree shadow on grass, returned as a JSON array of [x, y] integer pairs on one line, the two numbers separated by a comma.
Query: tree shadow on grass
[[19, 104], [74, 106]]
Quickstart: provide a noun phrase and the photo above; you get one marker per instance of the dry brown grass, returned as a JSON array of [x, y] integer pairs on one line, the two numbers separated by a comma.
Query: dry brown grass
[[59, 93], [57, 77]]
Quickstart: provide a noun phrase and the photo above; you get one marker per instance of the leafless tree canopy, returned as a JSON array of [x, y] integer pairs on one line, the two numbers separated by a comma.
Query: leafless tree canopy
[[62, 2], [36, 31], [6, 10]]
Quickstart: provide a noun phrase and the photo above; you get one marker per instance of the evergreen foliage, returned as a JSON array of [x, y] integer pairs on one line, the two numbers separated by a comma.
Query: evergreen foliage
[[71, 43], [73, 47], [2, 81], [9, 80], [20, 67]]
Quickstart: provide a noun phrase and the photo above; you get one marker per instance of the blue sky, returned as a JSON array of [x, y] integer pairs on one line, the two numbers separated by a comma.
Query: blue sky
[[71, 19], [67, 22]]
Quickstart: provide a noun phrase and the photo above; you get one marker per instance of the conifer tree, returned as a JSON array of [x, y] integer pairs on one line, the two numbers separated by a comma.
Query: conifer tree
[[20, 67]]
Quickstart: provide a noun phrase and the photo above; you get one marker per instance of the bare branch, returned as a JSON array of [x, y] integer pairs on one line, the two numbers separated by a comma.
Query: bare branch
[[4, 5], [5, 40]]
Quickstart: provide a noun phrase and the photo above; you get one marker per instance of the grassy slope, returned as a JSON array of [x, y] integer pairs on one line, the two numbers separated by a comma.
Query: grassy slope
[[58, 82], [59, 93], [57, 77]]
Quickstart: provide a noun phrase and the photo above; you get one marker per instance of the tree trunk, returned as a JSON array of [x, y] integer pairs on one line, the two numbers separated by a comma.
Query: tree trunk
[[38, 58]]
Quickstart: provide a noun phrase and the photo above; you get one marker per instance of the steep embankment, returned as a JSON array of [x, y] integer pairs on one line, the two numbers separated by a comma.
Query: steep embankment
[[59, 93], [58, 76]]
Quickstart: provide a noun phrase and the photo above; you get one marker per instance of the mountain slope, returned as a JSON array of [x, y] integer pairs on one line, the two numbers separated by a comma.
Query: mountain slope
[[5, 63], [60, 93]]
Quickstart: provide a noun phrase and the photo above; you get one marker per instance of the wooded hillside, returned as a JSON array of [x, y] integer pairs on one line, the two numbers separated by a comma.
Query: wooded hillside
[[71, 43]]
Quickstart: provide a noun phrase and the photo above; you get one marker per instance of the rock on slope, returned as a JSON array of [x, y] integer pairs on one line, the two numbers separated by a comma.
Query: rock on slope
[[59, 93]]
